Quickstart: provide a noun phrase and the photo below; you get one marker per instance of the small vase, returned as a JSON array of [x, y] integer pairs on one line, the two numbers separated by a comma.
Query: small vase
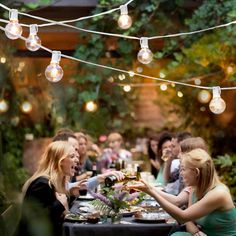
[[116, 218]]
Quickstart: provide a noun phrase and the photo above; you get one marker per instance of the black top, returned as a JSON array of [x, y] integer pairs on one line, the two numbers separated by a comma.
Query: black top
[[41, 211]]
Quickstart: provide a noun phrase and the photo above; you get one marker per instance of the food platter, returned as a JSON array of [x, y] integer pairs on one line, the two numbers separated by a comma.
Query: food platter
[[86, 197], [130, 212], [153, 217], [75, 218]]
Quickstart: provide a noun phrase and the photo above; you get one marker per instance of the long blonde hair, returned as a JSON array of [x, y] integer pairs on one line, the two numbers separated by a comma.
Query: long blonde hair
[[50, 168], [207, 177]]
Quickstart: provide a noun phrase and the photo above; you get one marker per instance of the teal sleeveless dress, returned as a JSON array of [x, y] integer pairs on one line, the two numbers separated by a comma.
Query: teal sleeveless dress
[[217, 223], [160, 177]]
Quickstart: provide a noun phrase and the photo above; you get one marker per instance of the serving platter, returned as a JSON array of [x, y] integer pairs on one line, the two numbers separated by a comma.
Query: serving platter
[[151, 217], [75, 218], [86, 197]]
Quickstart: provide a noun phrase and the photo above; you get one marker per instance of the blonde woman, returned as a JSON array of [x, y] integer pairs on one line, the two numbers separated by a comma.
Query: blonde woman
[[212, 207], [45, 194]]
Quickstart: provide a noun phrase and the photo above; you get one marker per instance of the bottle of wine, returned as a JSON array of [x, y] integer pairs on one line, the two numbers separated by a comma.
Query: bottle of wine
[[138, 176], [94, 169], [111, 180]]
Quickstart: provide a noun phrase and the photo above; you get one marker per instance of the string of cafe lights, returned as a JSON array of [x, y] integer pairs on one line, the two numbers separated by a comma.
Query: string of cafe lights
[[54, 72]]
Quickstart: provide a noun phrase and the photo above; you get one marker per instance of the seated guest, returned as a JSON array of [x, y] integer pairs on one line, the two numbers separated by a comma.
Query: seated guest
[[186, 145], [115, 153], [163, 153], [171, 168], [152, 154], [211, 207], [45, 194], [91, 183]]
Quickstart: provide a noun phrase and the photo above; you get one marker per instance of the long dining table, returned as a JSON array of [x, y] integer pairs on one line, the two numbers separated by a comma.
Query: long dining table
[[127, 227]]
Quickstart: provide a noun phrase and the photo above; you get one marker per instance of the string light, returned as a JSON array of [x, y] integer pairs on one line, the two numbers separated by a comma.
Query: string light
[[124, 21], [130, 37], [13, 29], [204, 96], [172, 82], [3, 60], [33, 42], [26, 107], [63, 23], [163, 87], [162, 75], [91, 106], [54, 72], [144, 55], [3, 106], [217, 104], [127, 88], [131, 73], [180, 94]]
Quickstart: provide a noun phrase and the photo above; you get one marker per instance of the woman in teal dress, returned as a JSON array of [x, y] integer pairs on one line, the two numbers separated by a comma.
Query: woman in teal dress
[[211, 207], [163, 149]]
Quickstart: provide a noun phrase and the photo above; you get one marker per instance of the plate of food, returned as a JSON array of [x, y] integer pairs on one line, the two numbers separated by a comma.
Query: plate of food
[[85, 197], [75, 218], [130, 211], [152, 217]]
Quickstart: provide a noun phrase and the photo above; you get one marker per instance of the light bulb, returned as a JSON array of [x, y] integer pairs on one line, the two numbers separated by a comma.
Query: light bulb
[[204, 96], [124, 21], [163, 87], [33, 42], [144, 55], [26, 107], [13, 29], [217, 104], [3, 106], [54, 72], [127, 88], [91, 106]]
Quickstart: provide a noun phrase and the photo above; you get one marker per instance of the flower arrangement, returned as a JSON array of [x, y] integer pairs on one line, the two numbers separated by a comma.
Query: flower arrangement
[[111, 200]]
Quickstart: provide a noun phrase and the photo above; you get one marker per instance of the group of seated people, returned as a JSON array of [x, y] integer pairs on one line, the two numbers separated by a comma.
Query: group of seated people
[[209, 208]]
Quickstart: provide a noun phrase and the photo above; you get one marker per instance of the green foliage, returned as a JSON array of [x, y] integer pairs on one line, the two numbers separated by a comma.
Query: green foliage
[[226, 166]]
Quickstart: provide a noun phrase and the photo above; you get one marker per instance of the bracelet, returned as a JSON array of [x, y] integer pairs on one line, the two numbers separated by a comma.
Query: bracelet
[[196, 233]]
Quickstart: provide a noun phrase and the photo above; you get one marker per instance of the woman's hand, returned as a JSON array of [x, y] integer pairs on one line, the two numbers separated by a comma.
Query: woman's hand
[[62, 198], [74, 189], [142, 186]]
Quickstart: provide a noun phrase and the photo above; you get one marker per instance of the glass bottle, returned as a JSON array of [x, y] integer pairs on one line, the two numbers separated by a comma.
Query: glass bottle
[[111, 180]]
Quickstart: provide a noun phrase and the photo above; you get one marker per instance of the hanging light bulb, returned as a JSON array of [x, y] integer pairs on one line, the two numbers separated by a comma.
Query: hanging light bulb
[[91, 106], [124, 21], [33, 42], [26, 107], [3, 106], [217, 104], [54, 72], [144, 55], [13, 29]]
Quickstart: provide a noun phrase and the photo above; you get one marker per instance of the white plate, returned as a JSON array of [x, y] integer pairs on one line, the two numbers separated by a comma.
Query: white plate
[[86, 197]]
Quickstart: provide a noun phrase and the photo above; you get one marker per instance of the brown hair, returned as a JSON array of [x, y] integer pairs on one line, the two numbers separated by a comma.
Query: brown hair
[[63, 134], [189, 144], [80, 135], [207, 177]]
